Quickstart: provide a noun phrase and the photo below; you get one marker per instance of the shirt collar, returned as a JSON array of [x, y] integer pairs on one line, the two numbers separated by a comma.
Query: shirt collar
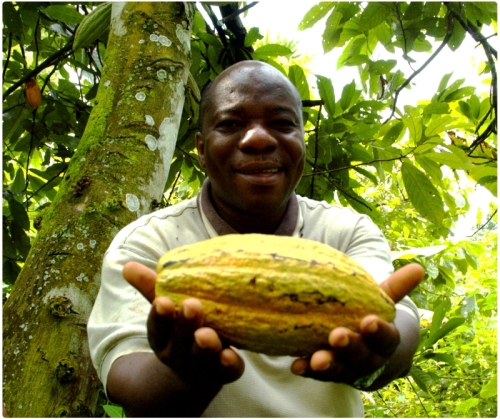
[[287, 226]]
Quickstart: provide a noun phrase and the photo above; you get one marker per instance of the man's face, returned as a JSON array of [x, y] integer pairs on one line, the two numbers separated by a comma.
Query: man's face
[[252, 141]]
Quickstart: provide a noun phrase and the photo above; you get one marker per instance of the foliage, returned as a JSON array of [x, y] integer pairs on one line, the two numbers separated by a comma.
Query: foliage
[[454, 373], [404, 166]]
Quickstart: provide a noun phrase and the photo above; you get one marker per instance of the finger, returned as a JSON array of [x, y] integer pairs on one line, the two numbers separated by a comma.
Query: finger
[[323, 366], [231, 365], [160, 323], [354, 349], [180, 346], [381, 337], [404, 280], [142, 278], [206, 341]]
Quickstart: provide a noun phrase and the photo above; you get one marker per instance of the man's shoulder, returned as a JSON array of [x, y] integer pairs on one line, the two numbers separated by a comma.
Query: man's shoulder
[[180, 216]]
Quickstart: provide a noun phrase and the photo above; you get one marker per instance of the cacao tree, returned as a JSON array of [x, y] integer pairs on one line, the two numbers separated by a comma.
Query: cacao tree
[[406, 165], [117, 173]]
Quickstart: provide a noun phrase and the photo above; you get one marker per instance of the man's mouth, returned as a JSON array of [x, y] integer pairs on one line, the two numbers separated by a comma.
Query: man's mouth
[[254, 172]]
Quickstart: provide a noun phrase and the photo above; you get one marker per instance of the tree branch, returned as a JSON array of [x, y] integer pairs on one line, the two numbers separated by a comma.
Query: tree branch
[[54, 58], [485, 224], [237, 12], [353, 166]]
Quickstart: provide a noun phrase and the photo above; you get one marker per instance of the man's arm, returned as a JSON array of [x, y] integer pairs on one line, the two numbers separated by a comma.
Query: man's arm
[[145, 387], [187, 369]]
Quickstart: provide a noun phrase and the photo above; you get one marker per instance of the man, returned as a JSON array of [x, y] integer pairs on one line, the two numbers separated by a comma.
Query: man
[[156, 360]]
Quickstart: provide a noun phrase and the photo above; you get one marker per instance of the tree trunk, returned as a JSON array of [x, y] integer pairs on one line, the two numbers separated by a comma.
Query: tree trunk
[[117, 173]]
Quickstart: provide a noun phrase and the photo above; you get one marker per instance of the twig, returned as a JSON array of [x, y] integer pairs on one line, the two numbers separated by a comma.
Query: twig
[[213, 18], [312, 103], [417, 72], [237, 12], [418, 397], [485, 224], [353, 166], [318, 119], [62, 53]]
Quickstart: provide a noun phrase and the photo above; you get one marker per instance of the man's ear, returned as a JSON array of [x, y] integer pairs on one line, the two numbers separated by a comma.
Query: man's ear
[[200, 146]]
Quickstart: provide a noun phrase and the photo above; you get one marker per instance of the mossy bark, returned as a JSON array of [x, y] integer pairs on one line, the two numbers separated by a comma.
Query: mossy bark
[[118, 171]]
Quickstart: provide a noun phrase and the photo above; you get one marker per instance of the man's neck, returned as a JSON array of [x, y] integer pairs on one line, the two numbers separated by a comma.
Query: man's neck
[[224, 221]]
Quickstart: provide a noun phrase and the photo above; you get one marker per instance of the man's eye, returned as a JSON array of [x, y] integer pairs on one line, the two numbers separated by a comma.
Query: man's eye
[[283, 124], [228, 124]]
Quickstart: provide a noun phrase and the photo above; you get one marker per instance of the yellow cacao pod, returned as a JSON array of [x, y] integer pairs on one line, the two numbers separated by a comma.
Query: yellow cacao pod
[[32, 93], [272, 294]]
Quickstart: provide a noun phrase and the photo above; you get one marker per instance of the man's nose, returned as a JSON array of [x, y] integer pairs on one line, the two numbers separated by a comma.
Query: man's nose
[[257, 139]]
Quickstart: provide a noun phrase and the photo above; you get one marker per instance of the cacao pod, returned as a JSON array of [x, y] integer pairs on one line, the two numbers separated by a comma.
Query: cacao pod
[[272, 294], [93, 26], [32, 93]]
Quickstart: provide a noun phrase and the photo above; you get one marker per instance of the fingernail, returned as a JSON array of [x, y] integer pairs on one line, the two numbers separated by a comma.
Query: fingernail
[[225, 362], [188, 312], [342, 343], [300, 367], [324, 367], [372, 327], [159, 309]]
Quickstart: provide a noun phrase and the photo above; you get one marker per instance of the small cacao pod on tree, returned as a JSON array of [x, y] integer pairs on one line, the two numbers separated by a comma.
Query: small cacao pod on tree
[[32, 93]]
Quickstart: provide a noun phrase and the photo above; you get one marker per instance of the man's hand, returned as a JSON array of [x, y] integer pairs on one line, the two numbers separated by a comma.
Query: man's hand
[[178, 337], [355, 355]]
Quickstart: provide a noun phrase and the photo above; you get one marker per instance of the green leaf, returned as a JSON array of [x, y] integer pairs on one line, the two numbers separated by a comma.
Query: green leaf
[[413, 11], [457, 37], [19, 183], [272, 50], [439, 315], [373, 15], [348, 95], [392, 134], [298, 78], [113, 411], [466, 405], [18, 212], [252, 36], [422, 193], [434, 108], [12, 20], [421, 378], [431, 167], [365, 131], [66, 14], [457, 159], [490, 389], [10, 271], [8, 248], [68, 89], [326, 93], [413, 122], [439, 357], [448, 327], [333, 29], [439, 125], [459, 94], [20, 238], [444, 82], [315, 14]]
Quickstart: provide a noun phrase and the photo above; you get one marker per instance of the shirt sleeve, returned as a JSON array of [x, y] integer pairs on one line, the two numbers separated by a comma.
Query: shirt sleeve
[[117, 324], [369, 247]]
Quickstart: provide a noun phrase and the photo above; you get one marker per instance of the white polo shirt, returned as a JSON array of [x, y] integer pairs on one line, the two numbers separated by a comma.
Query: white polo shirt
[[117, 325]]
